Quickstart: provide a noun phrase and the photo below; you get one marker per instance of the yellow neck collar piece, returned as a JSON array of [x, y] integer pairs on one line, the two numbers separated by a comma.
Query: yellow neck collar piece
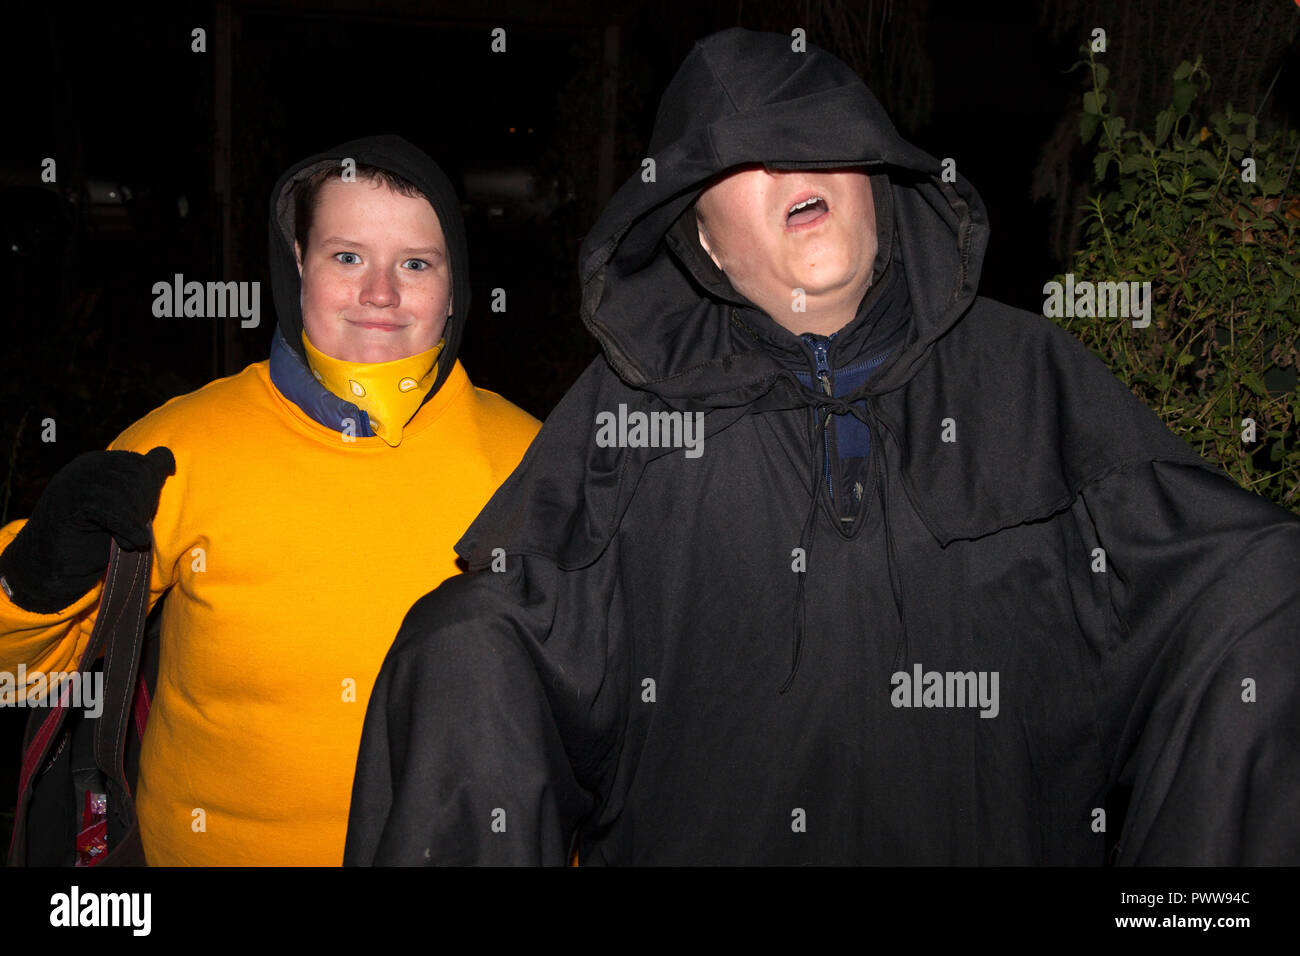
[[389, 392]]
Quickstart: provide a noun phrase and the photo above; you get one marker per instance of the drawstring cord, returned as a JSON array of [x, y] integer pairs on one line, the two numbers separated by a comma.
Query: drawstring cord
[[865, 414], [805, 544]]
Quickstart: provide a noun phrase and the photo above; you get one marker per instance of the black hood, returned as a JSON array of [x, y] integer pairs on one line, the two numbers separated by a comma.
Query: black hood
[[411, 163], [741, 98]]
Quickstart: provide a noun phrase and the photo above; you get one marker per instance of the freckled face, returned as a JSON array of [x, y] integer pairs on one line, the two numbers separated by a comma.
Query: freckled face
[[773, 231], [376, 284]]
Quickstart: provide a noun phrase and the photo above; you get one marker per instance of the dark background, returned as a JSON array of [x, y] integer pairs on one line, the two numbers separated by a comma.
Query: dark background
[[141, 127]]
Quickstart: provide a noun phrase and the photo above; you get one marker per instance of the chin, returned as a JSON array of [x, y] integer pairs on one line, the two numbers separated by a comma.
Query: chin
[[823, 284], [831, 275], [374, 356]]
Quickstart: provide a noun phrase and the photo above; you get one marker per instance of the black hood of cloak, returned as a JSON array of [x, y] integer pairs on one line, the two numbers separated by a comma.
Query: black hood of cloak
[[396, 155], [740, 98], [675, 333]]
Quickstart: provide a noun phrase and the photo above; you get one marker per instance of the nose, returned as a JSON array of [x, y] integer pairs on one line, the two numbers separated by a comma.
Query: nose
[[379, 289]]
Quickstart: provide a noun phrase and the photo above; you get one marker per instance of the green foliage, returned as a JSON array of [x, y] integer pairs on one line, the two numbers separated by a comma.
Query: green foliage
[[1175, 206]]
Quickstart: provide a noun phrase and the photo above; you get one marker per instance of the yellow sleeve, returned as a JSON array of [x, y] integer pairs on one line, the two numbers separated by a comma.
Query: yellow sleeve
[[43, 642]]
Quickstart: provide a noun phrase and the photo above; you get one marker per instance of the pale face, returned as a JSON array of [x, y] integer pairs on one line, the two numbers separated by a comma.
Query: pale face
[[827, 248], [376, 284]]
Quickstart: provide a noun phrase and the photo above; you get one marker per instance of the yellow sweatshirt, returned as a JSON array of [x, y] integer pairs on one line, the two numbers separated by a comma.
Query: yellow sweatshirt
[[289, 557]]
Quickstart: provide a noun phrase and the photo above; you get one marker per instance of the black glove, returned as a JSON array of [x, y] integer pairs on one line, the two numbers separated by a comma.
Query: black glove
[[62, 551]]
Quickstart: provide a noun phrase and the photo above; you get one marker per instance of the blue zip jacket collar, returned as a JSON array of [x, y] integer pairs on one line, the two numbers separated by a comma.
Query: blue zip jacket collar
[[290, 375]]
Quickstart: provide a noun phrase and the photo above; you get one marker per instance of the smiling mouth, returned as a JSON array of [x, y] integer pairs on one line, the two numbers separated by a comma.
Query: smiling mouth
[[806, 211], [379, 326]]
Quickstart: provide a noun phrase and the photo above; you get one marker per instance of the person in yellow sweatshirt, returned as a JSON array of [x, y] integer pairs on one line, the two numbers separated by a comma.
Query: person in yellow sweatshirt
[[302, 506]]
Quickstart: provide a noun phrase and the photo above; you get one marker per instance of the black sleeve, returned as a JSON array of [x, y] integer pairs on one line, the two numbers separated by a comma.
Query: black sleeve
[[1200, 686], [484, 716]]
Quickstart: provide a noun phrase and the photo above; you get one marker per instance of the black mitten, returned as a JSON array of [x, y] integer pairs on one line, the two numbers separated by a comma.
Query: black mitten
[[62, 551]]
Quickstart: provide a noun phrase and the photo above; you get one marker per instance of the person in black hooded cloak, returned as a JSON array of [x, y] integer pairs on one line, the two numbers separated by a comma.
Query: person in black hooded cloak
[[829, 559]]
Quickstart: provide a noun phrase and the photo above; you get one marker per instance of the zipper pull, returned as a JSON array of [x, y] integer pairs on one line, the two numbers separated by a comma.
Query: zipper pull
[[820, 347]]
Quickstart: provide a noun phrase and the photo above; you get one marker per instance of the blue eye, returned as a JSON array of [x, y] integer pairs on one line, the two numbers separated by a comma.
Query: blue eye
[[353, 254], [423, 265]]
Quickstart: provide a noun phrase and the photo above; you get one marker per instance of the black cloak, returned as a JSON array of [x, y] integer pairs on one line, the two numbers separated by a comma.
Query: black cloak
[[1053, 634]]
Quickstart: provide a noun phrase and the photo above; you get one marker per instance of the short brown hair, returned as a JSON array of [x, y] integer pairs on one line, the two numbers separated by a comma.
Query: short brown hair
[[306, 195]]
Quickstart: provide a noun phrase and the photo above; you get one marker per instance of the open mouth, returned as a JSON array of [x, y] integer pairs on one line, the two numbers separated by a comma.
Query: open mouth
[[805, 211]]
